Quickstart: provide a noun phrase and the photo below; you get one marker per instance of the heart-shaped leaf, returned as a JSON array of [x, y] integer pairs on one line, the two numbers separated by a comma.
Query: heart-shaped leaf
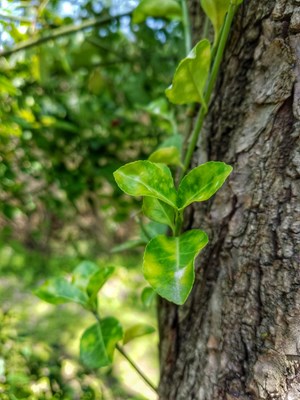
[[169, 264], [98, 343], [136, 331], [159, 211], [191, 76], [156, 8], [216, 11], [144, 178], [202, 183], [59, 290]]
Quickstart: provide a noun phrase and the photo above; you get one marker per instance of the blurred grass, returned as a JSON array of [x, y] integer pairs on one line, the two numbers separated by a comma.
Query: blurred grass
[[39, 343]]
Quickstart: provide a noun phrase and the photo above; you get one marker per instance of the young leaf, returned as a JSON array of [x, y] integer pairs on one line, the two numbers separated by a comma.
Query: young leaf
[[156, 8], [136, 331], [169, 152], [202, 183], [169, 264], [159, 211], [82, 274], [151, 230], [98, 343], [148, 296], [216, 11], [191, 76], [59, 290], [144, 178]]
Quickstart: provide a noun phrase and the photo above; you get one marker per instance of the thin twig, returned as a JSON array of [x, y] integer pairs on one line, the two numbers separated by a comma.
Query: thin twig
[[59, 32]]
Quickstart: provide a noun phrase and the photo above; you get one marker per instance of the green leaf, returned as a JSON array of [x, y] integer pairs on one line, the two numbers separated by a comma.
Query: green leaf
[[156, 8], [98, 343], [151, 230], [202, 183], [159, 211], [82, 274], [98, 279], [136, 331], [169, 264], [59, 290], [191, 75], [144, 178], [148, 295], [216, 11]]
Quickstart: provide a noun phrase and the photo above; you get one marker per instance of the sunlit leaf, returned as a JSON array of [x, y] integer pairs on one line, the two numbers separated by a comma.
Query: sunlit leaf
[[191, 75], [169, 9], [169, 152], [98, 279], [159, 211], [216, 11], [98, 343], [82, 274], [144, 178], [169, 264], [202, 183], [148, 295], [136, 331], [59, 290]]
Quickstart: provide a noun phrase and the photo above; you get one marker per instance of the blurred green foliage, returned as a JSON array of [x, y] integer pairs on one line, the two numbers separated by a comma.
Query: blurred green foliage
[[73, 110]]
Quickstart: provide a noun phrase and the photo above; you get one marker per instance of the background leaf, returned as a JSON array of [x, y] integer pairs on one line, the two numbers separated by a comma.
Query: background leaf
[[169, 264], [136, 331], [59, 290], [82, 274], [202, 182], [191, 75], [144, 178], [148, 295], [98, 343], [169, 9]]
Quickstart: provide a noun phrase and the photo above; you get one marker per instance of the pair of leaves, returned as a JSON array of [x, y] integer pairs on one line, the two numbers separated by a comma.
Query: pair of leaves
[[154, 182], [87, 280], [169, 264], [169, 9]]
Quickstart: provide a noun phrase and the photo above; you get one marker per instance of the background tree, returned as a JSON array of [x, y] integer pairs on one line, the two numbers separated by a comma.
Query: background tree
[[237, 337]]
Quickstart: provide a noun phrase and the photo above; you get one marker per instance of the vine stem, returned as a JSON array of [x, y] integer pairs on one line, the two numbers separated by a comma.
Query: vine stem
[[136, 368], [129, 359], [210, 86], [186, 27]]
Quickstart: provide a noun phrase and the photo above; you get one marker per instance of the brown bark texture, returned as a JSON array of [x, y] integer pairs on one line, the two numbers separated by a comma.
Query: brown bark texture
[[238, 335]]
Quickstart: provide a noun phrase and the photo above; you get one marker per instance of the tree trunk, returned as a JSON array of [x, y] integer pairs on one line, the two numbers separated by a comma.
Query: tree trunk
[[238, 336]]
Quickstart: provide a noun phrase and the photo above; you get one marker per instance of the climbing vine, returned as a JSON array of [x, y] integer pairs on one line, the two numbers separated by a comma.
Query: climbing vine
[[168, 262]]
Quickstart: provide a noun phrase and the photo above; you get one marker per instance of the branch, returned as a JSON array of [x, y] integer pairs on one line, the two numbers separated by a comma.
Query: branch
[[15, 18], [59, 32]]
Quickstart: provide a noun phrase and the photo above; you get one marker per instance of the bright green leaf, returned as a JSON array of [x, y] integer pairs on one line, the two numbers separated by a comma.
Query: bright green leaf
[[148, 295], [169, 9], [159, 211], [144, 178], [98, 343], [98, 279], [136, 331], [191, 75], [169, 264], [169, 152], [216, 11], [202, 183], [59, 290]]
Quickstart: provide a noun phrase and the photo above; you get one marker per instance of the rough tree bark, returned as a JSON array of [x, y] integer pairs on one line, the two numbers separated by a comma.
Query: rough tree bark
[[238, 336]]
